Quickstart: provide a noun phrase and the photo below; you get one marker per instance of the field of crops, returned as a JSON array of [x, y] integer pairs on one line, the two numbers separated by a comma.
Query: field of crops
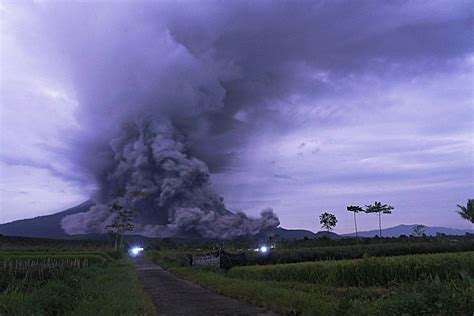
[[357, 252], [426, 284], [68, 281], [25, 270], [13, 243], [364, 272]]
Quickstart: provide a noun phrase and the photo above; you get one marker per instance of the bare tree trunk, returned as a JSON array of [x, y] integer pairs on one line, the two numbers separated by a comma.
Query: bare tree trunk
[[355, 224], [380, 226], [115, 243]]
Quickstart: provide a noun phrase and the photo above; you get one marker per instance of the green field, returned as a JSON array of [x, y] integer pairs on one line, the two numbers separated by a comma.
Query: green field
[[295, 254], [426, 284], [72, 282], [50, 277]]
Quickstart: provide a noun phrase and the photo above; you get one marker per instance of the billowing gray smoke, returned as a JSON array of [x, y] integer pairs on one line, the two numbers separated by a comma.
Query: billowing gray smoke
[[150, 157], [150, 111], [166, 90]]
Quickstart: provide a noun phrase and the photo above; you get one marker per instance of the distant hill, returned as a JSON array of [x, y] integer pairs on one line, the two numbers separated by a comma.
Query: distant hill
[[330, 235], [290, 234], [283, 233], [407, 230], [48, 226]]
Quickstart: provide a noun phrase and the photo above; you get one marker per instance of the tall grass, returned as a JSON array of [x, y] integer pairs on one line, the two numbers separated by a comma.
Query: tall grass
[[111, 288], [426, 297], [50, 245], [356, 252], [27, 269], [69, 282], [364, 272]]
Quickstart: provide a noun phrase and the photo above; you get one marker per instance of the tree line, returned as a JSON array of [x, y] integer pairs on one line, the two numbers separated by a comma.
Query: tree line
[[328, 221]]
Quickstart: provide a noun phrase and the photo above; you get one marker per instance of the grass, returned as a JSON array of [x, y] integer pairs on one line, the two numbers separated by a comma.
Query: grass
[[29, 269], [364, 272], [8, 243], [296, 255], [288, 289], [283, 297], [357, 252], [102, 287]]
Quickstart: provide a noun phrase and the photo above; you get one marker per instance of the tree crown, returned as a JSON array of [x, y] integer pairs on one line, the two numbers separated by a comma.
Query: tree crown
[[378, 207], [355, 208], [467, 212], [327, 220]]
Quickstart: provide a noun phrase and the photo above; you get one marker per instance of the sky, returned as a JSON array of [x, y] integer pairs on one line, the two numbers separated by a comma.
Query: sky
[[303, 107]]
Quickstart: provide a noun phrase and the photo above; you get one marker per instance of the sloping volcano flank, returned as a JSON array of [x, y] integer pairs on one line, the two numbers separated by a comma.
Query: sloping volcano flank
[[48, 226]]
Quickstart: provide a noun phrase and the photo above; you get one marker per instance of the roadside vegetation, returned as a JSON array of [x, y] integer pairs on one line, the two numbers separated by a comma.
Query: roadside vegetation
[[69, 282], [304, 250], [440, 283], [364, 272], [292, 255]]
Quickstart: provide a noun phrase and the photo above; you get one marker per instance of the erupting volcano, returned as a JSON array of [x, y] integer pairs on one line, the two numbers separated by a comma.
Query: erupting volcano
[[151, 157]]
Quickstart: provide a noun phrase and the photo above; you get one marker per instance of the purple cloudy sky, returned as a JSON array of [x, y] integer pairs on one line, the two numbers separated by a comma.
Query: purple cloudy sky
[[302, 106]]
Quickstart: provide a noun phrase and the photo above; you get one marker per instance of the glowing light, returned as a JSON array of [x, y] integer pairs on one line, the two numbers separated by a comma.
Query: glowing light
[[263, 249], [135, 251]]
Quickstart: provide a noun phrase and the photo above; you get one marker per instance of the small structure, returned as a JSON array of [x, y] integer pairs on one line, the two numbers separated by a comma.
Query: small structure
[[221, 259], [208, 260]]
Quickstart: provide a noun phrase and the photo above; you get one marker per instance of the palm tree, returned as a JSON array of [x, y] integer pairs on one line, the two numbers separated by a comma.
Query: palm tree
[[467, 212], [355, 209], [379, 208]]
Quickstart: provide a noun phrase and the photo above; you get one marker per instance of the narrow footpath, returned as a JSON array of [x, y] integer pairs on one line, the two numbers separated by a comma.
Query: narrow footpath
[[174, 296]]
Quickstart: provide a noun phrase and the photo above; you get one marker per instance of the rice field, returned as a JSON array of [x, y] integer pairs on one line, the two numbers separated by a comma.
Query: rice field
[[69, 281], [295, 254], [420, 284], [382, 271], [26, 269]]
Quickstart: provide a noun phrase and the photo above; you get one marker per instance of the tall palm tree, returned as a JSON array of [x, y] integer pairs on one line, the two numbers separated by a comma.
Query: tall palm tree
[[467, 212], [355, 209], [379, 208]]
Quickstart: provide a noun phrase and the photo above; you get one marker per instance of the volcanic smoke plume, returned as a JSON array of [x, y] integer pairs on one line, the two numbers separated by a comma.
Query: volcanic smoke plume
[[156, 96], [151, 157], [168, 92], [155, 111]]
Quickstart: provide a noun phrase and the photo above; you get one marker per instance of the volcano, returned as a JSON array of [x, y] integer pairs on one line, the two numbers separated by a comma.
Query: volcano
[[48, 226]]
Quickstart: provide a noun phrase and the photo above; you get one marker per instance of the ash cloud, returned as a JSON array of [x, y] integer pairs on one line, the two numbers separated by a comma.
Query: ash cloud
[[168, 90], [150, 157], [144, 98]]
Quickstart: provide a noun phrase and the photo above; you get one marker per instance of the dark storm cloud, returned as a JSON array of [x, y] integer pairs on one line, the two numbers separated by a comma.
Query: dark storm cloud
[[278, 47], [200, 64], [207, 75]]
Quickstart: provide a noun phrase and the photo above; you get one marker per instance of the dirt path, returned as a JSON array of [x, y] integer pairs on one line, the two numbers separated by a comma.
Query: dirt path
[[172, 295]]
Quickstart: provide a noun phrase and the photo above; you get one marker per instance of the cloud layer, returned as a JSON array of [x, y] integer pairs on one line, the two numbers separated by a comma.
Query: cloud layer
[[314, 99]]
